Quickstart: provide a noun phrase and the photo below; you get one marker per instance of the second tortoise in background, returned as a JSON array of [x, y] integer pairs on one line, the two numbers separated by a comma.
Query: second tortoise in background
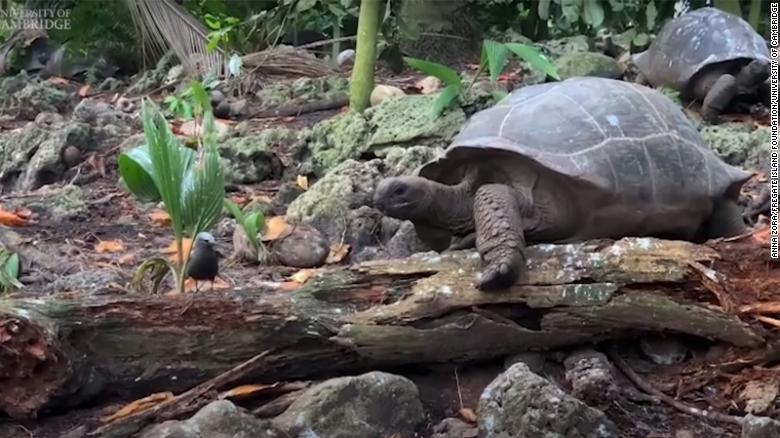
[[710, 56], [580, 159]]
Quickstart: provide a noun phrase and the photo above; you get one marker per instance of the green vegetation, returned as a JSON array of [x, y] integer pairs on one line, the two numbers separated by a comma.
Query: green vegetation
[[494, 59], [251, 223], [190, 185], [9, 271]]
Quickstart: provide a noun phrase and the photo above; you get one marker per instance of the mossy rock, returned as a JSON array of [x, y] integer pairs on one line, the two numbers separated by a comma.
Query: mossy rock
[[60, 203], [555, 48], [38, 97], [403, 121], [303, 89], [253, 158], [740, 144], [326, 204], [587, 64], [404, 161]]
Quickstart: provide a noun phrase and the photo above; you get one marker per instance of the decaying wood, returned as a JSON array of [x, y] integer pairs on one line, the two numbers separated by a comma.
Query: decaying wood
[[334, 101], [423, 309]]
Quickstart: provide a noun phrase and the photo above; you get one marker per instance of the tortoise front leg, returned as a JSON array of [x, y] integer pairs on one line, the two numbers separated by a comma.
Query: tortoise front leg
[[500, 239], [718, 97], [466, 242]]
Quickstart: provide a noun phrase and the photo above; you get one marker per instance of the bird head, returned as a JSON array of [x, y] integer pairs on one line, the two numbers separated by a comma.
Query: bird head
[[205, 239]]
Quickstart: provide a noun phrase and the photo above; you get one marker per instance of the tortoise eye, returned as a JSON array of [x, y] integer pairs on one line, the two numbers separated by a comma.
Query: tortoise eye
[[400, 190]]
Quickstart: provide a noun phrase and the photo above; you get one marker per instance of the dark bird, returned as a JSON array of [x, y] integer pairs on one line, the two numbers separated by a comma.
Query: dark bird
[[204, 263]]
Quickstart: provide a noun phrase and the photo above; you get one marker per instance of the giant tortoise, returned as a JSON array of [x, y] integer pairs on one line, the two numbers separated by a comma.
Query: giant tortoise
[[567, 161], [707, 55]]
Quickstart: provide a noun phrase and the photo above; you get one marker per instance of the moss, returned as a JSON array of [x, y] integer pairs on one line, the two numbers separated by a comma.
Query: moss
[[403, 121], [587, 64], [305, 89], [404, 161], [556, 48], [740, 144], [252, 158], [60, 204]]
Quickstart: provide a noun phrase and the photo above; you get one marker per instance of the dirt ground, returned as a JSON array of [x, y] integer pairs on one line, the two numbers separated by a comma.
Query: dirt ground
[[712, 377]]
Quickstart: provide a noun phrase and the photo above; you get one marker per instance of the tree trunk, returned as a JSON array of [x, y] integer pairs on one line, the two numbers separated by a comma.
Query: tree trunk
[[365, 54], [424, 309]]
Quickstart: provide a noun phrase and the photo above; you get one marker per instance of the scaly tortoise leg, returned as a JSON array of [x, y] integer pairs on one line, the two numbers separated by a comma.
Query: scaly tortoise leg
[[500, 239], [718, 97], [466, 242]]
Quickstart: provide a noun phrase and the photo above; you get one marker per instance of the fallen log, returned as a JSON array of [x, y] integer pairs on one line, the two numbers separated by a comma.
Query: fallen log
[[67, 350]]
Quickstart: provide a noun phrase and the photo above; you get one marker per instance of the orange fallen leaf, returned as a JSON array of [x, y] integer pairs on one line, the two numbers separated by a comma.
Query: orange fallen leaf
[[139, 405], [303, 182], [763, 236], [337, 253], [468, 415], [109, 246], [289, 286], [275, 228], [84, 91], [243, 391], [58, 81], [11, 219], [302, 276], [173, 256], [160, 218]]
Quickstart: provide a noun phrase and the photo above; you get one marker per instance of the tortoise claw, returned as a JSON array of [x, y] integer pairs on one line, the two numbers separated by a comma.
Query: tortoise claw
[[499, 276]]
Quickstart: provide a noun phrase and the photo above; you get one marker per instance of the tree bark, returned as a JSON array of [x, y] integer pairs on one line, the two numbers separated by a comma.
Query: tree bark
[[424, 309]]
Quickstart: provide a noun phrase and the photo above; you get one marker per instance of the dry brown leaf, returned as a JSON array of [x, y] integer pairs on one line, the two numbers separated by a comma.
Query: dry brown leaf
[[468, 415], [11, 219], [303, 182], [58, 81], [337, 253], [762, 236], [302, 276], [767, 320], [109, 246], [139, 405], [160, 218], [84, 91], [243, 391], [173, 256], [275, 228], [759, 395], [127, 259], [191, 129]]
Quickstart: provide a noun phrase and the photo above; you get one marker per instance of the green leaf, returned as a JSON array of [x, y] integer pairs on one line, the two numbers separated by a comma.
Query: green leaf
[[651, 14], [444, 73], [544, 9], [11, 270], [234, 210], [200, 98], [571, 10], [203, 188], [445, 98], [304, 5], [170, 162], [252, 225], [533, 57], [641, 39], [593, 13], [494, 54], [135, 167]]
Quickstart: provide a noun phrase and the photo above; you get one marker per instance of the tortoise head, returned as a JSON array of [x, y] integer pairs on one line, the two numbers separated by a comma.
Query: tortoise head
[[404, 197]]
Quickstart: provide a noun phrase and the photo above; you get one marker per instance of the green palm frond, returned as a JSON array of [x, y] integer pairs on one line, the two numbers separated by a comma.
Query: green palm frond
[[165, 25]]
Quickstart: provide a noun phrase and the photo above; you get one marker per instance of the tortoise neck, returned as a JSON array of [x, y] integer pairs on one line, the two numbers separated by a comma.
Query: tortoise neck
[[452, 207]]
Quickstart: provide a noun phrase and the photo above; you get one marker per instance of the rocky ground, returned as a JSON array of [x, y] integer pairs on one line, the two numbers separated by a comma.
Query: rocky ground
[[315, 173]]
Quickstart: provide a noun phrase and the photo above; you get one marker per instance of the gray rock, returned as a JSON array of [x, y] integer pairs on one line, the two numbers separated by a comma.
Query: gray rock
[[533, 360], [389, 227], [31, 157], [364, 224], [405, 242], [327, 203], [219, 419], [109, 84], [251, 159], [521, 404], [286, 194], [591, 377], [304, 247], [367, 254], [38, 97], [374, 404], [760, 427], [404, 161], [558, 47], [587, 64]]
